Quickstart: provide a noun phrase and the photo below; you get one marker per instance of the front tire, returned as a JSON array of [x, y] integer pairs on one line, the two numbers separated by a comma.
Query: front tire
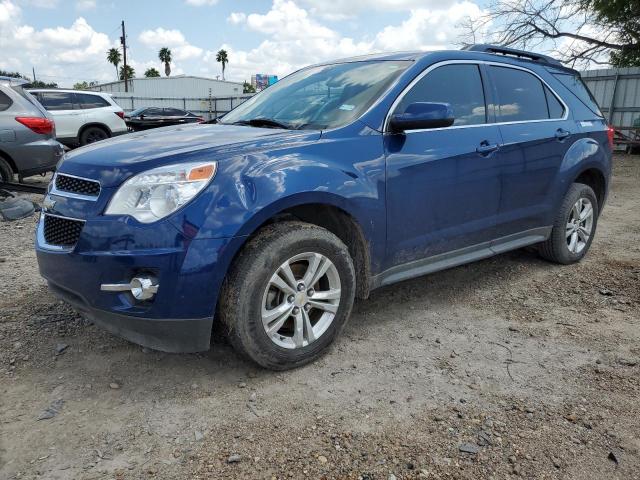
[[288, 295], [574, 226]]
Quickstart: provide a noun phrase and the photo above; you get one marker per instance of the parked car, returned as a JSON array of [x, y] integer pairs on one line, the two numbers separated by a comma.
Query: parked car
[[82, 117], [153, 117], [27, 133], [341, 178]]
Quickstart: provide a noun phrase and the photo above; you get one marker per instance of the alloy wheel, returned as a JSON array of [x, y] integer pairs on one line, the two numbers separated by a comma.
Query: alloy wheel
[[301, 300], [579, 225]]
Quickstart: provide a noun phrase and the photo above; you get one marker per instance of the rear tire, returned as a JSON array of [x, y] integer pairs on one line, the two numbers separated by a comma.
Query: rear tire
[[6, 172], [574, 226], [92, 135], [258, 287]]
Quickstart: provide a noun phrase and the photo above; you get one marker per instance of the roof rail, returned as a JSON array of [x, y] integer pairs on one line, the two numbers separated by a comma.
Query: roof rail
[[496, 49], [13, 80]]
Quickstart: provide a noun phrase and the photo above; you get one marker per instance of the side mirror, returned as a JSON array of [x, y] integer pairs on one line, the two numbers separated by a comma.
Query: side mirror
[[421, 115], [142, 116]]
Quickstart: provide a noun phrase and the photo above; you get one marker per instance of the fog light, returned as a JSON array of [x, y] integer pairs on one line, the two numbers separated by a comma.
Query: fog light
[[142, 288]]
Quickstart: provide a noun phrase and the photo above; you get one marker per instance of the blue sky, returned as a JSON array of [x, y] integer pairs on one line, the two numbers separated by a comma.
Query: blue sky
[[66, 40]]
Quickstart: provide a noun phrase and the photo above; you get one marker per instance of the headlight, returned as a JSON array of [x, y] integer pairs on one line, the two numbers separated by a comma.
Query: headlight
[[154, 194]]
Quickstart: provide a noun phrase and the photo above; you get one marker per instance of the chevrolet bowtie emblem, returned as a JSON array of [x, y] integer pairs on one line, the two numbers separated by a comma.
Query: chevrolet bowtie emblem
[[48, 203]]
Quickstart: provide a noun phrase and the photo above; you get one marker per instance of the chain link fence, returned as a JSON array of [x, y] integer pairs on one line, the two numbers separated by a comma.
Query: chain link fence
[[207, 107]]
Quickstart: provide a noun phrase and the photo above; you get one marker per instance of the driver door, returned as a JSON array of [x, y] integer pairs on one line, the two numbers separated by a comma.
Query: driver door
[[443, 185]]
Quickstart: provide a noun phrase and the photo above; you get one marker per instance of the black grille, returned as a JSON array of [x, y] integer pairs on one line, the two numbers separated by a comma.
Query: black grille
[[79, 186], [62, 232]]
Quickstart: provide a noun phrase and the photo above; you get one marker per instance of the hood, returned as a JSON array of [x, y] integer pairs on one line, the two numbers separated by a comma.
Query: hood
[[114, 160]]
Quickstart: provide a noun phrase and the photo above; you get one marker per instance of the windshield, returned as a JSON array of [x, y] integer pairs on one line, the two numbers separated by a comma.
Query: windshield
[[321, 97]]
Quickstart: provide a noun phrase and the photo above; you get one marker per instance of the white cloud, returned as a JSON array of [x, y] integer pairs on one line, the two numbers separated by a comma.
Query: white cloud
[[172, 39], [236, 17], [86, 4], [295, 37], [9, 12], [349, 9], [200, 3], [427, 29]]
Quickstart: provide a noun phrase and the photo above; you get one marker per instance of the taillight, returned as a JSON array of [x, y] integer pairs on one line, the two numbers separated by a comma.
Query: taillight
[[610, 135], [200, 119], [120, 114], [40, 125]]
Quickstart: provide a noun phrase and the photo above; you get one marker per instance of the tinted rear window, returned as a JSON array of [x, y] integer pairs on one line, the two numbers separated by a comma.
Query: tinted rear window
[[521, 95], [5, 101], [576, 86], [86, 100], [56, 100]]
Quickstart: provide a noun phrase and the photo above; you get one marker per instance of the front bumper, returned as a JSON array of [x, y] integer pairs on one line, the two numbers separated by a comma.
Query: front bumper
[[189, 272], [175, 335]]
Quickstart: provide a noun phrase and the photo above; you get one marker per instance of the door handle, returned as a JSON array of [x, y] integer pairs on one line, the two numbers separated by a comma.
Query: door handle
[[485, 148], [561, 134]]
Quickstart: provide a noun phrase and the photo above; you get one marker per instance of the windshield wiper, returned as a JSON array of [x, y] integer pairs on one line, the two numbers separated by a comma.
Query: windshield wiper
[[264, 122]]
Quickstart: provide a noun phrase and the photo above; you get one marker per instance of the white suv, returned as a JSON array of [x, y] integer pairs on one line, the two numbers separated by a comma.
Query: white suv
[[82, 117]]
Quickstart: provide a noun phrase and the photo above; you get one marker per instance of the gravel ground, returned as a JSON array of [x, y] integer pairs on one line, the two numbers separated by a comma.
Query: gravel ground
[[507, 367]]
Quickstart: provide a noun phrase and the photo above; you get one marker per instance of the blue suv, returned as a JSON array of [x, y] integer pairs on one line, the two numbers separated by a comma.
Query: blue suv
[[339, 179]]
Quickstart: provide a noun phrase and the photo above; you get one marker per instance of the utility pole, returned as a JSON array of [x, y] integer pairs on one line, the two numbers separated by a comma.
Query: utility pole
[[34, 74], [123, 41]]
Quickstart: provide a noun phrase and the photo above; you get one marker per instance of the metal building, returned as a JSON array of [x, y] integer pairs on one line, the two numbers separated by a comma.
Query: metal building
[[617, 91], [203, 96], [179, 86]]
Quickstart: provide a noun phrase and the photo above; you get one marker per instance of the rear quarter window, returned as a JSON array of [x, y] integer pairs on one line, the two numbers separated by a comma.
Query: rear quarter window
[[86, 101], [577, 87], [5, 101]]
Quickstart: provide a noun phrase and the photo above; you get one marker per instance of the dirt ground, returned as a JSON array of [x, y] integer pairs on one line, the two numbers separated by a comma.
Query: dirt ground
[[507, 367]]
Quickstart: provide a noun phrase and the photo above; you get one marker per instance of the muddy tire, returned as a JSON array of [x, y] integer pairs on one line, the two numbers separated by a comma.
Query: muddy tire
[[574, 226], [288, 295]]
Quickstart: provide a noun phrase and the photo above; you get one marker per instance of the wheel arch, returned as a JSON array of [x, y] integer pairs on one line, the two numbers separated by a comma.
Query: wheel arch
[[330, 212], [94, 124], [5, 156]]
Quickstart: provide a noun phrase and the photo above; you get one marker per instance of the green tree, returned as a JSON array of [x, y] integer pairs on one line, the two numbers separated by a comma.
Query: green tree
[[131, 73], [151, 72], [165, 57], [81, 86], [41, 84], [114, 58], [579, 31], [248, 88], [4, 73], [222, 57]]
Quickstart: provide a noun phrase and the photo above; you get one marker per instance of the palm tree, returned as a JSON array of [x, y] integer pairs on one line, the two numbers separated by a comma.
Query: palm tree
[[151, 72], [114, 57], [165, 57], [223, 58], [131, 73]]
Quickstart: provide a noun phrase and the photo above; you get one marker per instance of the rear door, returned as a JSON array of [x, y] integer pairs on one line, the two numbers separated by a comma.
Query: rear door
[[65, 111], [536, 133], [443, 185]]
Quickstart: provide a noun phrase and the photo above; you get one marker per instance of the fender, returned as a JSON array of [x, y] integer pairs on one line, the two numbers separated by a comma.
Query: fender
[[585, 154]]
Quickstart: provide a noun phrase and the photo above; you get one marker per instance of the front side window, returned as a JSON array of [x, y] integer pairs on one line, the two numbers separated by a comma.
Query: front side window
[[459, 85], [56, 100], [521, 95], [323, 97]]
